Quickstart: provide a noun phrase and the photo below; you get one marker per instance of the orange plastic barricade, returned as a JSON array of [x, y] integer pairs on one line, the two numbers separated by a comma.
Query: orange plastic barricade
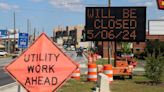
[[121, 64], [76, 74], [89, 59], [108, 70], [130, 68], [92, 72]]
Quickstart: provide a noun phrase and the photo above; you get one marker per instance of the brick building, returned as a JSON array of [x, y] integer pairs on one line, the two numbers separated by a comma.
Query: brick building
[[137, 47]]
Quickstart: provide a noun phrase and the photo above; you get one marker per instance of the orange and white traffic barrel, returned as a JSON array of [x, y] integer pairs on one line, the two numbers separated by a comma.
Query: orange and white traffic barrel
[[76, 74], [89, 59], [92, 72], [100, 68], [94, 58], [108, 70]]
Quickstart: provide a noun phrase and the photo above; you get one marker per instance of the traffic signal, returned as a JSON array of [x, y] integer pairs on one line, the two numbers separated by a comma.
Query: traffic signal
[[160, 4]]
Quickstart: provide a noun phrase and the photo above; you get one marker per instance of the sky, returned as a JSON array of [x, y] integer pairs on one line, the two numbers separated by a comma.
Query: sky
[[48, 14]]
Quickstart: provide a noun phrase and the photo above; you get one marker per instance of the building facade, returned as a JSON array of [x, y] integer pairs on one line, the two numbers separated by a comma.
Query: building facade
[[137, 47], [70, 36]]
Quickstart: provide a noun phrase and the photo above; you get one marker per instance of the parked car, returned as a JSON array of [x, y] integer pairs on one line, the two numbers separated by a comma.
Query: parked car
[[3, 53], [85, 49]]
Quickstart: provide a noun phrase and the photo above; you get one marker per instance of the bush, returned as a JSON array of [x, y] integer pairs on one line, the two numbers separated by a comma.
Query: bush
[[154, 67]]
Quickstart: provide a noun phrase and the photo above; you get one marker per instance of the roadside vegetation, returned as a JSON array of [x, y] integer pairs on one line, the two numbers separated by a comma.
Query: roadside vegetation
[[154, 67], [78, 85], [137, 84]]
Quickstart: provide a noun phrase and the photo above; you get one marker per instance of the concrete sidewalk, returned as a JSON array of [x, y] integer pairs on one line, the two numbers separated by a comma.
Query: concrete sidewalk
[[13, 87]]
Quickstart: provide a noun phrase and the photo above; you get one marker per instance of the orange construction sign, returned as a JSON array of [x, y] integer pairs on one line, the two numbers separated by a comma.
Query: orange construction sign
[[43, 67], [160, 4]]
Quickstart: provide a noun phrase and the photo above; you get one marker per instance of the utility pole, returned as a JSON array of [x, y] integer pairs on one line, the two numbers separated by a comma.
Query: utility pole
[[34, 34], [115, 45], [28, 26], [38, 33], [43, 29], [109, 47], [28, 30], [14, 35], [8, 47]]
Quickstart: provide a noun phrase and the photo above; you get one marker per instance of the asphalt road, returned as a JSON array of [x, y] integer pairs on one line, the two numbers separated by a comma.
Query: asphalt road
[[6, 79]]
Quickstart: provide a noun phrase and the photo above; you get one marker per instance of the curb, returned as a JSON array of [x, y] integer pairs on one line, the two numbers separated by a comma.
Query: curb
[[8, 85]]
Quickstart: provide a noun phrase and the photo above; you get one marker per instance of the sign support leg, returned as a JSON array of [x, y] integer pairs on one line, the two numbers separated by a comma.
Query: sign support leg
[[109, 54], [19, 88], [115, 54]]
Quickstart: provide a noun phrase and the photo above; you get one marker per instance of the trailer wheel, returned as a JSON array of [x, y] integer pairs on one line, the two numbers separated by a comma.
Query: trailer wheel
[[130, 77], [122, 77]]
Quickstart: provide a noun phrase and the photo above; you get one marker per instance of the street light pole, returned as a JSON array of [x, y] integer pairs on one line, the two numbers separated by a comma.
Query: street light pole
[[108, 3], [14, 35]]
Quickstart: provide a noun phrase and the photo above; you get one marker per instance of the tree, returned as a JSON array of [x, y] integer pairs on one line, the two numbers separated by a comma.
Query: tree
[[154, 66], [154, 44], [126, 48]]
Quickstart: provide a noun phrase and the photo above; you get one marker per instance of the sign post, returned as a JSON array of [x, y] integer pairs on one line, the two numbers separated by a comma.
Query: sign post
[[43, 67]]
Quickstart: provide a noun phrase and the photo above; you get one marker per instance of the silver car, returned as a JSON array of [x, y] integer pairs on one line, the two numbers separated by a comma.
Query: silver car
[[3, 53]]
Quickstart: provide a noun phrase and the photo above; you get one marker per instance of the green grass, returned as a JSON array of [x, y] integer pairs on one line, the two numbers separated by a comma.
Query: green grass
[[102, 61], [126, 85], [77, 86], [117, 86], [132, 86]]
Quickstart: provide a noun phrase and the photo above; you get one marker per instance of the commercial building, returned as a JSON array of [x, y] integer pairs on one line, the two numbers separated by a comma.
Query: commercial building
[[7, 42], [70, 36], [139, 47], [136, 47]]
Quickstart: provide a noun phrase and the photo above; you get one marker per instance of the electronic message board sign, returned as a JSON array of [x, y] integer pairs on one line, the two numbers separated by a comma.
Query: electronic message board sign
[[115, 24]]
